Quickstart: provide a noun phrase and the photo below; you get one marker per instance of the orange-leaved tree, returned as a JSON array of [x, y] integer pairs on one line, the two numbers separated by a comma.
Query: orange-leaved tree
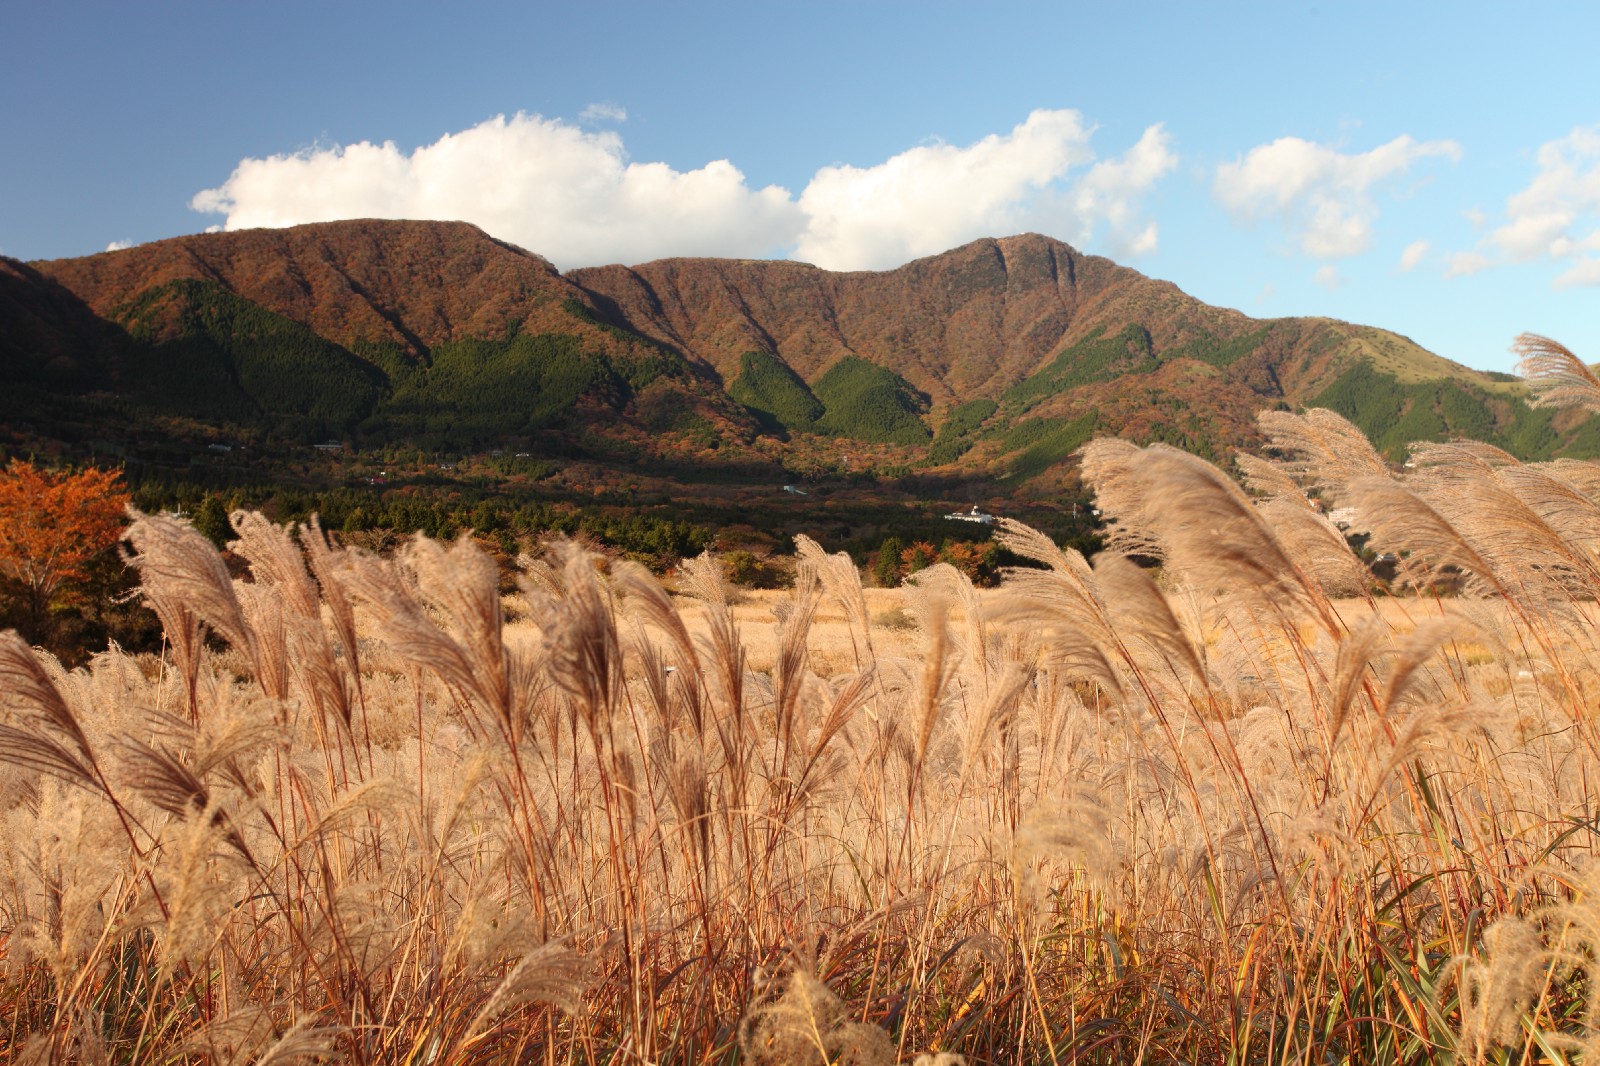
[[52, 525]]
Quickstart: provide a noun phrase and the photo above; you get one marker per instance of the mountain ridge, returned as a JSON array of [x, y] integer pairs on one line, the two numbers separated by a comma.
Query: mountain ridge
[[458, 331]]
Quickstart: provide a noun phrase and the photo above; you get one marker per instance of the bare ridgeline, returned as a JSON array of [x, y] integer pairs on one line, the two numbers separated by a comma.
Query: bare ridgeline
[[1240, 811]]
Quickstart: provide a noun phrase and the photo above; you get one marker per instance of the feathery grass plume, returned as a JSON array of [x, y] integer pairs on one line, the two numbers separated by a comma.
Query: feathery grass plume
[[1009, 686], [1495, 993], [1564, 494], [178, 565], [465, 584], [793, 618], [1061, 606], [56, 744], [1318, 547], [162, 779], [1404, 522], [61, 870], [1140, 610], [1265, 477], [327, 565], [305, 1040], [1413, 652], [723, 650], [1324, 450], [276, 560], [1188, 513], [197, 892], [552, 973], [1581, 474], [1357, 650], [1074, 830], [285, 613], [235, 1039], [406, 626], [645, 599], [809, 1024], [1556, 377], [931, 602], [263, 609], [585, 652], [841, 580], [1466, 483]]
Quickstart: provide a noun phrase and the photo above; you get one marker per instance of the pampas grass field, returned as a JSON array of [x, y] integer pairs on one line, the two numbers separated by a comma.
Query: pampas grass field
[[1236, 809]]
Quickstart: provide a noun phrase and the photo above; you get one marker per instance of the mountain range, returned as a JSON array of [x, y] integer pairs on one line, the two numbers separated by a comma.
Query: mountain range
[[1000, 357]]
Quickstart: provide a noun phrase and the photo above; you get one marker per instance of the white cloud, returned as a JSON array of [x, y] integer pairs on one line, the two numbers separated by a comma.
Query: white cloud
[[1476, 216], [1463, 264], [1414, 254], [1584, 273], [573, 194], [604, 113], [1557, 216], [118, 246], [934, 197], [569, 194], [1323, 196], [1328, 277]]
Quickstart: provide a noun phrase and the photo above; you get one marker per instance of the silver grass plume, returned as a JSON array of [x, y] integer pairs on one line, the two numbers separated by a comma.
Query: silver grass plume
[[724, 651], [175, 562], [808, 1024], [1322, 450], [645, 599], [1556, 377], [1187, 512], [841, 580], [552, 973], [1063, 606], [56, 744], [327, 564]]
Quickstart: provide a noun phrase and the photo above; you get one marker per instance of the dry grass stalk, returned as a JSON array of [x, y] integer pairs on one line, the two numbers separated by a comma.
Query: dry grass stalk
[[1208, 816]]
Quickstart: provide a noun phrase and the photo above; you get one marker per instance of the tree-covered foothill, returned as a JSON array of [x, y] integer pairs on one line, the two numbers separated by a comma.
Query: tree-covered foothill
[[866, 402], [959, 430], [1094, 358], [1393, 414], [201, 350], [769, 387]]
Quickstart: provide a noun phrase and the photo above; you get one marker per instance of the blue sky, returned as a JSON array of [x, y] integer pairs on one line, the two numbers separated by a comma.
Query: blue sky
[[1433, 169]]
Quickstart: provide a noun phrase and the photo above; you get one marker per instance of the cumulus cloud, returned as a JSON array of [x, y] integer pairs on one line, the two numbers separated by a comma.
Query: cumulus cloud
[[1323, 196], [575, 196], [117, 246], [934, 197], [1413, 256], [1328, 276], [1557, 216], [567, 193]]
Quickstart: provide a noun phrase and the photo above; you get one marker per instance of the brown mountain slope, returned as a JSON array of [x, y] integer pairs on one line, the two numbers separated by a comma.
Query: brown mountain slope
[[972, 321], [1020, 346], [417, 284]]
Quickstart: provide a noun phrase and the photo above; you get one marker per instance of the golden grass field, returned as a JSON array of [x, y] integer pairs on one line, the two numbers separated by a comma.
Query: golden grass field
[[367, 810]]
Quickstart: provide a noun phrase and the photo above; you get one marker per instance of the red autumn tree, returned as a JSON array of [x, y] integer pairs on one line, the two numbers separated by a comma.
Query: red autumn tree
[[52, 525]]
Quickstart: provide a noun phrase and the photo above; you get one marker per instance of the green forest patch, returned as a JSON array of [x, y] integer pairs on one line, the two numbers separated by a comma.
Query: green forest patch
[[775, 393], [866, 402], [203, 351]]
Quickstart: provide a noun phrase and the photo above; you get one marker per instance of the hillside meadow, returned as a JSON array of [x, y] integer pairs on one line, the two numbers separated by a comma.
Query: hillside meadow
[[1237, 808]]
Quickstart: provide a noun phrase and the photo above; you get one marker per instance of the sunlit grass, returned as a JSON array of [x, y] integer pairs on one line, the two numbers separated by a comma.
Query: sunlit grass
[[1237, 809]]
